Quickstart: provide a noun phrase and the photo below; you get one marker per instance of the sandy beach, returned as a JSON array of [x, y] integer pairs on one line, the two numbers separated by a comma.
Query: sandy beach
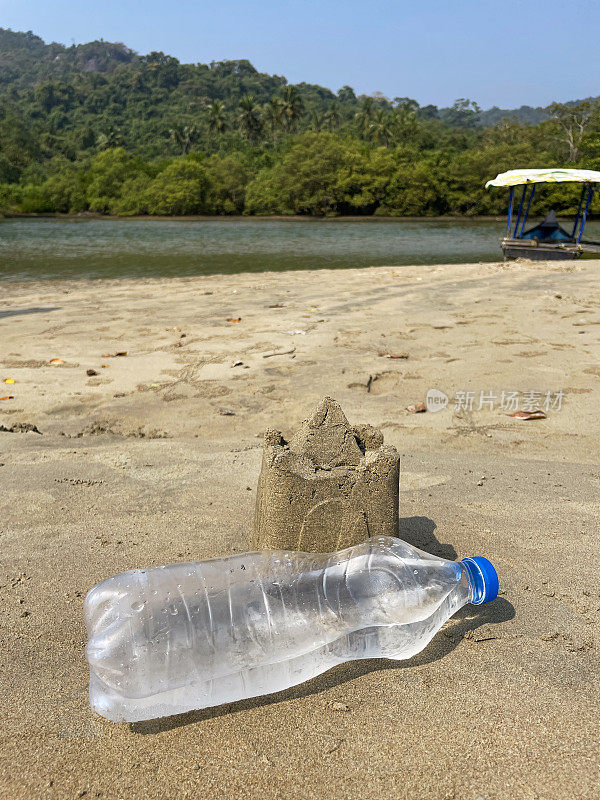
[[155, 459]]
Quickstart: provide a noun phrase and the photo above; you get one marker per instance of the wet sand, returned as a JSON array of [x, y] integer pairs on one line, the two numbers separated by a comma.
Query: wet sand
[[155, 459]]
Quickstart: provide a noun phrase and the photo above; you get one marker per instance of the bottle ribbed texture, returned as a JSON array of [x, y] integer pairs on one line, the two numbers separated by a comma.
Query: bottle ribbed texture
[[170, 639]]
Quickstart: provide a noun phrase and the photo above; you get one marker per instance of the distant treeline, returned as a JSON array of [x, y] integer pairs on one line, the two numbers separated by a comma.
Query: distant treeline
[[98, 128]]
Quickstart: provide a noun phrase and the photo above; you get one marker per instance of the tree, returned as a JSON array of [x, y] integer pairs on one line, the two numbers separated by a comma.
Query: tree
[[364, 116], [346, 95], [428, 112], [508, 131], [248, 118], [86, 137], [46, 96], [19, 144], [108, 139], [322, 174], [415, 189], [273, 115], [316, 121], [216, 118], [180, 188], [404, 120], [227, 178], [66, 191], [164, 70], [184, 137], [105, 176], [572, 122], [406, 103], [293, 107], [381, 127], [464, 113], [332, 116]]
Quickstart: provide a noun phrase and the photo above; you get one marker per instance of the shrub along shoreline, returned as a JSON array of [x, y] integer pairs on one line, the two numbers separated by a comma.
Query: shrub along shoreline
[[314, 174]]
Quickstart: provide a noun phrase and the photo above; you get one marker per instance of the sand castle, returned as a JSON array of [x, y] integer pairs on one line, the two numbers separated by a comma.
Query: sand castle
[[331, 486]]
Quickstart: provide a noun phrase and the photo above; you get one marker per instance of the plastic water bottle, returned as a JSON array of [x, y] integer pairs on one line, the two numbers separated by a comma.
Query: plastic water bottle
[[171, 639]]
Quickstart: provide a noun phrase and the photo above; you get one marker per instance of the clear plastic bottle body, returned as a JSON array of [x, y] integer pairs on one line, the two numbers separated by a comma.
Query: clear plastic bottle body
[[171, 639]]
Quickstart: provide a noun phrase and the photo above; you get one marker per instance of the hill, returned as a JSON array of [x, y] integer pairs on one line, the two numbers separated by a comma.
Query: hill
[[246, 137]]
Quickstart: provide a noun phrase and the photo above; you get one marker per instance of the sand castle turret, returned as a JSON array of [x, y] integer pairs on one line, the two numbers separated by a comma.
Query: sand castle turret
[[329, 487]]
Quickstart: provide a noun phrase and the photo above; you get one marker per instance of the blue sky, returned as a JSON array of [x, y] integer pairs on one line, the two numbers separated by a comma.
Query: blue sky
[[497, 53]]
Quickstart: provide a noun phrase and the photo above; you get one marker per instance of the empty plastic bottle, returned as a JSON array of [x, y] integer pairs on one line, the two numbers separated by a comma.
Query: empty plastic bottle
[[170, 639]]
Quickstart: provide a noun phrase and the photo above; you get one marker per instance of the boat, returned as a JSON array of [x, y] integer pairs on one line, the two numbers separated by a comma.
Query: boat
[[548, 239]]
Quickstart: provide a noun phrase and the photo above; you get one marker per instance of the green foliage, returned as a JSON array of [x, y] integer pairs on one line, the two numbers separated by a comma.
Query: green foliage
[[10, 198], [132, 197], [34, 200], [98, 128], [228, 178], [416, 190], [179, 189], [107, 173], [321, 174], [249, 118], [66, 191]]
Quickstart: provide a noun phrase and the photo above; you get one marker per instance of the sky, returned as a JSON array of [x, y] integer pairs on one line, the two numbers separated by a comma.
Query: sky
[[505, 53]]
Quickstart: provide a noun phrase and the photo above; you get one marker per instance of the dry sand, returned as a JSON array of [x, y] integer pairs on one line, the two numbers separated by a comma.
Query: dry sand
[[140, 465]]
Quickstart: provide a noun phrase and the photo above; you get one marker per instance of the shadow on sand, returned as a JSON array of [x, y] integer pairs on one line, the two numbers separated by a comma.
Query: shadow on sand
[[19, 312], [419, 531]]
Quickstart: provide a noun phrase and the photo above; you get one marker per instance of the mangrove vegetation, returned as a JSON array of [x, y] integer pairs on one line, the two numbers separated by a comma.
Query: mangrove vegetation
[[98, 128]]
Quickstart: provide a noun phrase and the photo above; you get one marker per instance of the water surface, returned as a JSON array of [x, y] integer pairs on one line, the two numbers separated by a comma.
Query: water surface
[[52, 248]]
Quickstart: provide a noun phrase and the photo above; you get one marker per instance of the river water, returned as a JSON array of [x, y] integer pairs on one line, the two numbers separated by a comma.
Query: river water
[[32, 249]]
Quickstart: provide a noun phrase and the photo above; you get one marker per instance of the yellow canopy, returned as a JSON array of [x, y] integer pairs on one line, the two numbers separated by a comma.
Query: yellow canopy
[[514, 177]]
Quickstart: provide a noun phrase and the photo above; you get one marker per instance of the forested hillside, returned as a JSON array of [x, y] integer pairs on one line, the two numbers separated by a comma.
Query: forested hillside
[[99, 128]]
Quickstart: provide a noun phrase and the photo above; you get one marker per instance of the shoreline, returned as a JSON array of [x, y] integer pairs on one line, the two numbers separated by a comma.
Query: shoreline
[[85, 216]]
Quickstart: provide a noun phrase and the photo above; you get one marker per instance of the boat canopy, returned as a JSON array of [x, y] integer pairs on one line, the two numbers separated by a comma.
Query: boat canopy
[[549, 228], [515, 177]]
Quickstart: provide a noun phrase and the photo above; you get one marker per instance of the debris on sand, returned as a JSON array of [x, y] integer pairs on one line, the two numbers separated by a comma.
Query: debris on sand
[[272, 353], [335, 705], [20, 427], [537, 414]]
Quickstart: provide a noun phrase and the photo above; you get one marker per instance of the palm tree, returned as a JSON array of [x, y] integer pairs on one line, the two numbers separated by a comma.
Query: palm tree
[[216, 118], [364, 117], [316, 121], [405, 122], [332, 116], [184, 136], [380, 129], [109, 138], [273, 114], [293, 107], [248, 119]]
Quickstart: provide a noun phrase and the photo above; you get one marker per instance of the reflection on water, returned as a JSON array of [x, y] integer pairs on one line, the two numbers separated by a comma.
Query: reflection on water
[[49, 248]]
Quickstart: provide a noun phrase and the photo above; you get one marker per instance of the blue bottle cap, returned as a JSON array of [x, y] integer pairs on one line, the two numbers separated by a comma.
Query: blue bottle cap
[[483, 577]]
